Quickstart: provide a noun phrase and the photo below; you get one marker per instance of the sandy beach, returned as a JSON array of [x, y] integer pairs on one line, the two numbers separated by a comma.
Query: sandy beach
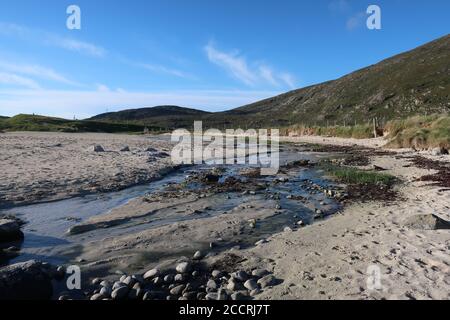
[[332, 257], [52, 166]]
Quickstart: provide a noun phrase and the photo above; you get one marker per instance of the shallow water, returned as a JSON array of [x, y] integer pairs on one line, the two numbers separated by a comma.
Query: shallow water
[[45, 232]]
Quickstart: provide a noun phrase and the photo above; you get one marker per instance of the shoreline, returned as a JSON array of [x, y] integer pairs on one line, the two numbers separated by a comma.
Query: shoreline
[[326, 260]]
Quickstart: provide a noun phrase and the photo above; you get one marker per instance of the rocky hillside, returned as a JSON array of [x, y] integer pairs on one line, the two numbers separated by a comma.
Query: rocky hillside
[[413, 83]]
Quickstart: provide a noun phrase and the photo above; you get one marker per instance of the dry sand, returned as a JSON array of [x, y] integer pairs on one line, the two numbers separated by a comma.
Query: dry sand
[[50, 166]]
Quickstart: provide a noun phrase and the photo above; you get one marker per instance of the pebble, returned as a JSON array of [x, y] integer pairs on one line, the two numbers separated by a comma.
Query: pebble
[[151, 273], [183, 267], [237, 296], [119, 293], [169, 278], [176, 291], [287, 229], [216, 273], [105, 291], [240, 276], [179, 278], [260, 273], [97, 296], [211, 284], [251, 284], [267, 281], [255, 292], [118, 284], [129, 281], [198, 255]]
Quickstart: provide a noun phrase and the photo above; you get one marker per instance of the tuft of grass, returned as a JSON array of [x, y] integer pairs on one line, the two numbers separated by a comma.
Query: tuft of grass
[[420, 132], [356, 176], [357, 132]]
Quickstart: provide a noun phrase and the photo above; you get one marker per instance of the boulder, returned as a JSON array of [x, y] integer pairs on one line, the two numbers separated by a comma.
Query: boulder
[[28, 280], [98, 148], [10, 230], [439, 151], [427, 222]]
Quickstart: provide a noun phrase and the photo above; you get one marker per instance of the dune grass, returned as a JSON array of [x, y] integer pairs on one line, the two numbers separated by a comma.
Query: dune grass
[[357, 132], [421, 132], [356, 176]]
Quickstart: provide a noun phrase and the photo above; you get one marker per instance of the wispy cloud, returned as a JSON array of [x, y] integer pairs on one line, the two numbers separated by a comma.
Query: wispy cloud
[[355, 21], [166, 70], [16, 80], [51, 39], [35, 71], [250, 74], [232, 63], [77, 46]]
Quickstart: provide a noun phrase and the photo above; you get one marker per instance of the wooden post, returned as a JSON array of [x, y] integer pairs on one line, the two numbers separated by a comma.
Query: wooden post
[[375, 127]]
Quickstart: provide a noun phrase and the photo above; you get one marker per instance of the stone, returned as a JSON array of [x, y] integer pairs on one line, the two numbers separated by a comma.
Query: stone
[[129, 281], [233, 285], [134, 294], [267, 281], [287, 229], [439, 151], [179, 278], [237, 296], [97, 296], [198, 255], [183, 267], [147, 296], [120, 293], [212, 296], [125, 149], [222, 295], [255, 292], [10, 230], [169, 278], [251, 285], [151, 273], [105, 283], [259, 273], [106, 291], [28, 280], [211, 284], [98, 148], [216, 273], [96, 281], [177, 291], [118, 284], [240, 276]]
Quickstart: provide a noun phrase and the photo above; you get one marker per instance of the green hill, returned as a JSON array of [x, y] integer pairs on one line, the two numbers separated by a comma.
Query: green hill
[[24, 122], [168, 117]]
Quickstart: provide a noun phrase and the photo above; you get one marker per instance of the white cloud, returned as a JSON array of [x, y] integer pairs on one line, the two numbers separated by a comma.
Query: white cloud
[[165, 70], [355, 21], [288, 79], [77, 46], [250, 74], [36, 71], [267, 74], [84, 104], [16, 80], [232, 63], [46, 38], [102, 88]]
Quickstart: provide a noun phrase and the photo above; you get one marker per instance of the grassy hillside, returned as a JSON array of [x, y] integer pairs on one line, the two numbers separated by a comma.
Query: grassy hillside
[[25, 122], [168, 117], [413, 83]]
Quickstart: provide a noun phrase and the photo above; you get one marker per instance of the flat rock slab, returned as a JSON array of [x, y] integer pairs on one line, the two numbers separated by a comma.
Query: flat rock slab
[[25, 281], [10, 230]]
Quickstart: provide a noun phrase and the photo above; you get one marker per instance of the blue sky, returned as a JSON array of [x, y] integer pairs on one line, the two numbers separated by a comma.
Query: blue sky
[[207, 54]]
